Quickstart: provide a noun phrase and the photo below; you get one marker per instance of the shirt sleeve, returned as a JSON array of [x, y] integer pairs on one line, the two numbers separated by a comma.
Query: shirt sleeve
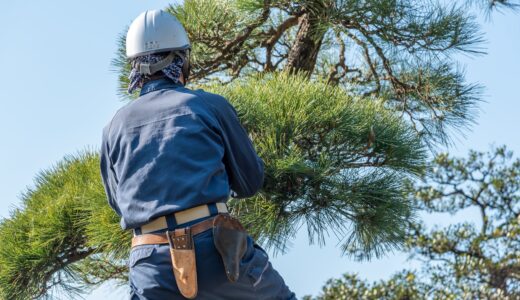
[[107, 173], [245, 169]]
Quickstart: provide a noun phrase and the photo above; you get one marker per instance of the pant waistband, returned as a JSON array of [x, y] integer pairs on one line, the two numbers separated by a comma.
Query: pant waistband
[[188, 215]]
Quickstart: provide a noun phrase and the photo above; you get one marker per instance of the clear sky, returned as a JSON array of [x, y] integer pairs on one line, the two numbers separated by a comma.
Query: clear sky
[[58, 91]]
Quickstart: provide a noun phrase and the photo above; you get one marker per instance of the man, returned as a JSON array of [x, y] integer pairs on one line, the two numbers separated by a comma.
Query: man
[[169, 162]]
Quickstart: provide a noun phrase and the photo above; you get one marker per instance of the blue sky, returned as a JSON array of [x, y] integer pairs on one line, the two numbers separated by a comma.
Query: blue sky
[[58, 91]]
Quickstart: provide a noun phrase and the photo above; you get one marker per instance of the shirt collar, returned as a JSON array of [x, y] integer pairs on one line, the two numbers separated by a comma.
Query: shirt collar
[[158, 84]]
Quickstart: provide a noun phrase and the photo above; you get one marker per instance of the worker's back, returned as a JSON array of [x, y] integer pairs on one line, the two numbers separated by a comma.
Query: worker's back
[[167, 152]]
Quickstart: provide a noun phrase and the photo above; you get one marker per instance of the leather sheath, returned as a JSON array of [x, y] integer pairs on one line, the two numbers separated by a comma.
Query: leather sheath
[[230, 239], [182, 252]]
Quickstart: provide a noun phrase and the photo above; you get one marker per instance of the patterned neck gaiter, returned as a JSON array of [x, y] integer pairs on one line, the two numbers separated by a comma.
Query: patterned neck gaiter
[[173, 71]]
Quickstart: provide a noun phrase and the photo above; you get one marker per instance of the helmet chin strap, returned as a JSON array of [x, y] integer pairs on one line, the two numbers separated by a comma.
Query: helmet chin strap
[[186, 66], [149, 69]]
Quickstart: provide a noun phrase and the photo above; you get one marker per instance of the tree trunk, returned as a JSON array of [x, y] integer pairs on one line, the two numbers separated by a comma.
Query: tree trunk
[[304, 51]]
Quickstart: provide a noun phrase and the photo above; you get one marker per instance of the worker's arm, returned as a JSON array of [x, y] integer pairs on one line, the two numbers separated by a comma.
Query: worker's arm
[[107, 172], [245, 169]]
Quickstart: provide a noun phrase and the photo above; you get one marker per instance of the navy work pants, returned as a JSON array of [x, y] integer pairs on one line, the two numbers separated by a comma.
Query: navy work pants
[[151, 274]]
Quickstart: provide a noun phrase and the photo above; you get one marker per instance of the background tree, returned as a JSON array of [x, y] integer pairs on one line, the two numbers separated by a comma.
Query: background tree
[[402, 286], [479, 260], [364, 86], [463, 260]]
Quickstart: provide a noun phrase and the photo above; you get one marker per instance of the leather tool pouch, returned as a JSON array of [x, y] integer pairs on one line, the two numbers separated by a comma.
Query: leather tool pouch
[[182, 252], [230, 239]]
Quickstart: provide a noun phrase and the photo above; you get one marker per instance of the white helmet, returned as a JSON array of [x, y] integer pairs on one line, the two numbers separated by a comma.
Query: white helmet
[[155, 31]]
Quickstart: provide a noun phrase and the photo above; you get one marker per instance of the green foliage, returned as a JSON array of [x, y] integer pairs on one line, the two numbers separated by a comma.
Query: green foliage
[[475, 260], [222, 21], [50, 231], [397, 50], [333, 161], [410, 43], [463, 260], [123, 67], [490, 5], [403, 286]]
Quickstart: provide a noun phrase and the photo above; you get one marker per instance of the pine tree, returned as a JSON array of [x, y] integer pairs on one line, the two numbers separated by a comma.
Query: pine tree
[[342, 100], [465, 260], [480, 259]]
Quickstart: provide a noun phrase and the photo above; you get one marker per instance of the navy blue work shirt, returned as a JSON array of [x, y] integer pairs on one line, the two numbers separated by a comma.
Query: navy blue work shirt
[[172, 149]]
